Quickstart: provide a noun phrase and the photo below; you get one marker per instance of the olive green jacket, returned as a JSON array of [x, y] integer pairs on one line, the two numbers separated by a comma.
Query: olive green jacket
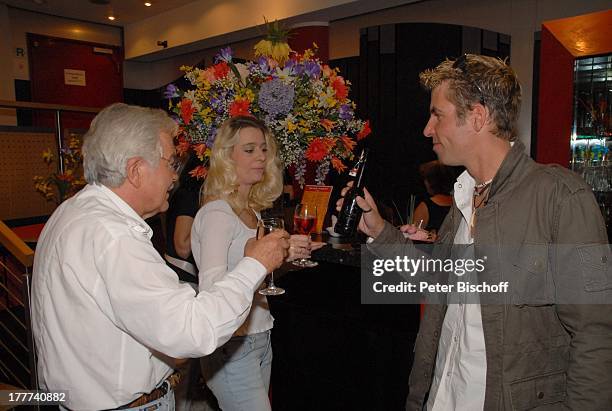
[[540, 354]]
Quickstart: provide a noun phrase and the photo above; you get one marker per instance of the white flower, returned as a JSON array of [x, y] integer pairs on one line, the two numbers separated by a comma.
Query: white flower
[[243, 71]]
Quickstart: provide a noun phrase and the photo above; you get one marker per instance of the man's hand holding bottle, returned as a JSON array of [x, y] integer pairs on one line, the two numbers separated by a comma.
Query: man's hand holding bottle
[[372, 223]]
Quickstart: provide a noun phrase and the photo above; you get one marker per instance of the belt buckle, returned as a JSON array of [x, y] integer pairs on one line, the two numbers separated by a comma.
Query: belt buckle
[[169, 383]]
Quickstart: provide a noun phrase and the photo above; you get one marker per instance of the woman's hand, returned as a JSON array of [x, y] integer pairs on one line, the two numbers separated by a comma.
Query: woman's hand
[[300, 246], [418, 234]]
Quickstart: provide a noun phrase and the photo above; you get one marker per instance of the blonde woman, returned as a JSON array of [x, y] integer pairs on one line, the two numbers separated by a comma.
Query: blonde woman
[[244, 178]]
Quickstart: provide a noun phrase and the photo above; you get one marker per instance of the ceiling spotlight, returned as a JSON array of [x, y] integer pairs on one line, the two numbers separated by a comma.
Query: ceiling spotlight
[[111, 18], [148, 4]]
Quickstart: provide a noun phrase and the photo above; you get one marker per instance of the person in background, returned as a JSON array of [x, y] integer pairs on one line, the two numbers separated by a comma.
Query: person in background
[[184, 204], [547, 344], [191, 393], [108, 315], [244, 178], [438, 181]]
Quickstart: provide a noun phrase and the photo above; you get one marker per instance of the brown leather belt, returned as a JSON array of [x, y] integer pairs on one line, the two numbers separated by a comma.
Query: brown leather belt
[[168, 384]]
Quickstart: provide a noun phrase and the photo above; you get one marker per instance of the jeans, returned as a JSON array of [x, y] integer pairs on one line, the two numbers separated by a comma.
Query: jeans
[[238, 373], [165, 403]]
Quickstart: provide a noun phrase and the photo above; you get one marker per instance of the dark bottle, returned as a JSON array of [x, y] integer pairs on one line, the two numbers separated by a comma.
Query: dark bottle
[[350, 214]]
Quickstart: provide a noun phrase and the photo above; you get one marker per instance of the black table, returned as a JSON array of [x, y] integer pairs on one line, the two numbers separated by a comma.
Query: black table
[[332, 352]]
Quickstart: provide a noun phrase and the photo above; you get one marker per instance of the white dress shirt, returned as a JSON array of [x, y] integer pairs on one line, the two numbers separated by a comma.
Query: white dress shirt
[[103, 301], [218, 237], [459, 380]]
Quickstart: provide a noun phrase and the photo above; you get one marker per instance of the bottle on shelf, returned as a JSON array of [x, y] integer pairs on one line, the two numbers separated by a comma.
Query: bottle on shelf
[[350, 214]]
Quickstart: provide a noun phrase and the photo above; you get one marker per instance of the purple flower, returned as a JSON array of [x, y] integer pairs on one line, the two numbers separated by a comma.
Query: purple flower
[[265, 69], [225, 54], [212, 135], [171, 91], [346, 112], [276, 97], [217, 104], [312, 68], [299, 69], [290, 67]]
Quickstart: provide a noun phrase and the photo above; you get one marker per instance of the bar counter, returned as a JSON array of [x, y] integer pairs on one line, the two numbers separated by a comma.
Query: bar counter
[[332, 352]]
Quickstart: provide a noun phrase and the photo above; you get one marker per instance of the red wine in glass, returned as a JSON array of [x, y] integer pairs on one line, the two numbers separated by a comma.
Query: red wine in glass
[[304, 222], [304, 225]]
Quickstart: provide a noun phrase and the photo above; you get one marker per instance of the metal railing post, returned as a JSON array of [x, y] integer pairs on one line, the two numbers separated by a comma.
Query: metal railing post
[[60, 140]]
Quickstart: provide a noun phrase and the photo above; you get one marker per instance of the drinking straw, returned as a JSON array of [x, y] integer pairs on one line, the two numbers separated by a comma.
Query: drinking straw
[[411, 215]]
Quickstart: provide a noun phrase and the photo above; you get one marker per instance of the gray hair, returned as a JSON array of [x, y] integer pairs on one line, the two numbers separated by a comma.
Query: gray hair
[[120, 132]]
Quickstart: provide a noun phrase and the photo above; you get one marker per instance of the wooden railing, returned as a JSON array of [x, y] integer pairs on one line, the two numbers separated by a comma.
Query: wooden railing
[[18, 364], [16, 246]]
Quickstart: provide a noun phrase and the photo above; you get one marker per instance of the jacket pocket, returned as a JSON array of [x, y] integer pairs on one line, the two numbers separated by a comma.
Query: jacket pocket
[[595, 266], [530, 284], [532, 392]]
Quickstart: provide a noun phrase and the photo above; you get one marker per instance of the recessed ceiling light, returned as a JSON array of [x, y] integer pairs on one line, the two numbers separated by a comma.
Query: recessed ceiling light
[[148, 4], [111, 17]]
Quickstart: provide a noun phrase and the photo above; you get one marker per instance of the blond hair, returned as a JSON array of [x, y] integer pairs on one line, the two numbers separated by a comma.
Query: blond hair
[[474, 78], [222, 182]]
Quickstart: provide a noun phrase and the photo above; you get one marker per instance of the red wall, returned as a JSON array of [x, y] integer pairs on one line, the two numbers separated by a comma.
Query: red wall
[[563, 40], [555, 101], [301, 38]]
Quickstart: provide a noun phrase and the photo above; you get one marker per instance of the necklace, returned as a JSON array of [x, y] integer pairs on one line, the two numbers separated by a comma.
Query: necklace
[[480, 198], [484, 184]]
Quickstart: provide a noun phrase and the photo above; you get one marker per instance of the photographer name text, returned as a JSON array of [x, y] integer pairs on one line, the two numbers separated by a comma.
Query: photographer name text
[[426, 287]]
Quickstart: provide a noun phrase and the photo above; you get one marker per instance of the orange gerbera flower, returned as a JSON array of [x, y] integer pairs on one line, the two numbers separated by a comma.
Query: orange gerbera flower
[[200, 150], [187, 110], [339, 86], [317, 150], [365, 131], [182, 147], [199, 172], [240, 107], [327, 124], [337, 164], [348, 142], [221, 69]]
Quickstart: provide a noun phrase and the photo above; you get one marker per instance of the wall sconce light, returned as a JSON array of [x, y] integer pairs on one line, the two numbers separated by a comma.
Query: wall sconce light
[[164, 43]]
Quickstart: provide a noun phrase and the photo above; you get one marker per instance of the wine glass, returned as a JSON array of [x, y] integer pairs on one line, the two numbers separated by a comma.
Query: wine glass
[[304, 222], [266, 226]]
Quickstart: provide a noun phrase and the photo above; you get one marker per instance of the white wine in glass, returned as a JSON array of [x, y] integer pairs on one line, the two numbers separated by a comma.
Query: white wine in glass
[[266, 226]]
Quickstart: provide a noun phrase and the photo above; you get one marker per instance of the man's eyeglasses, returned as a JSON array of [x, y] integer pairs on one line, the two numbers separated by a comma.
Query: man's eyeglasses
[[461, 65], [173, 163]]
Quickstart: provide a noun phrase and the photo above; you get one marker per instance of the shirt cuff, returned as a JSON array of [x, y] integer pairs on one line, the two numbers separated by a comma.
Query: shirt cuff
[[251, 270]]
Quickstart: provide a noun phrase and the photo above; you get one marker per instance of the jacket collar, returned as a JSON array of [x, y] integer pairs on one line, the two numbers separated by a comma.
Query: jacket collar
[[506, 173]]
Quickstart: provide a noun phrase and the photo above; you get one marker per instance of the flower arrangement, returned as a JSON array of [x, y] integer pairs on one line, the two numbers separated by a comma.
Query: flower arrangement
[[303, 101], [59, 186]]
